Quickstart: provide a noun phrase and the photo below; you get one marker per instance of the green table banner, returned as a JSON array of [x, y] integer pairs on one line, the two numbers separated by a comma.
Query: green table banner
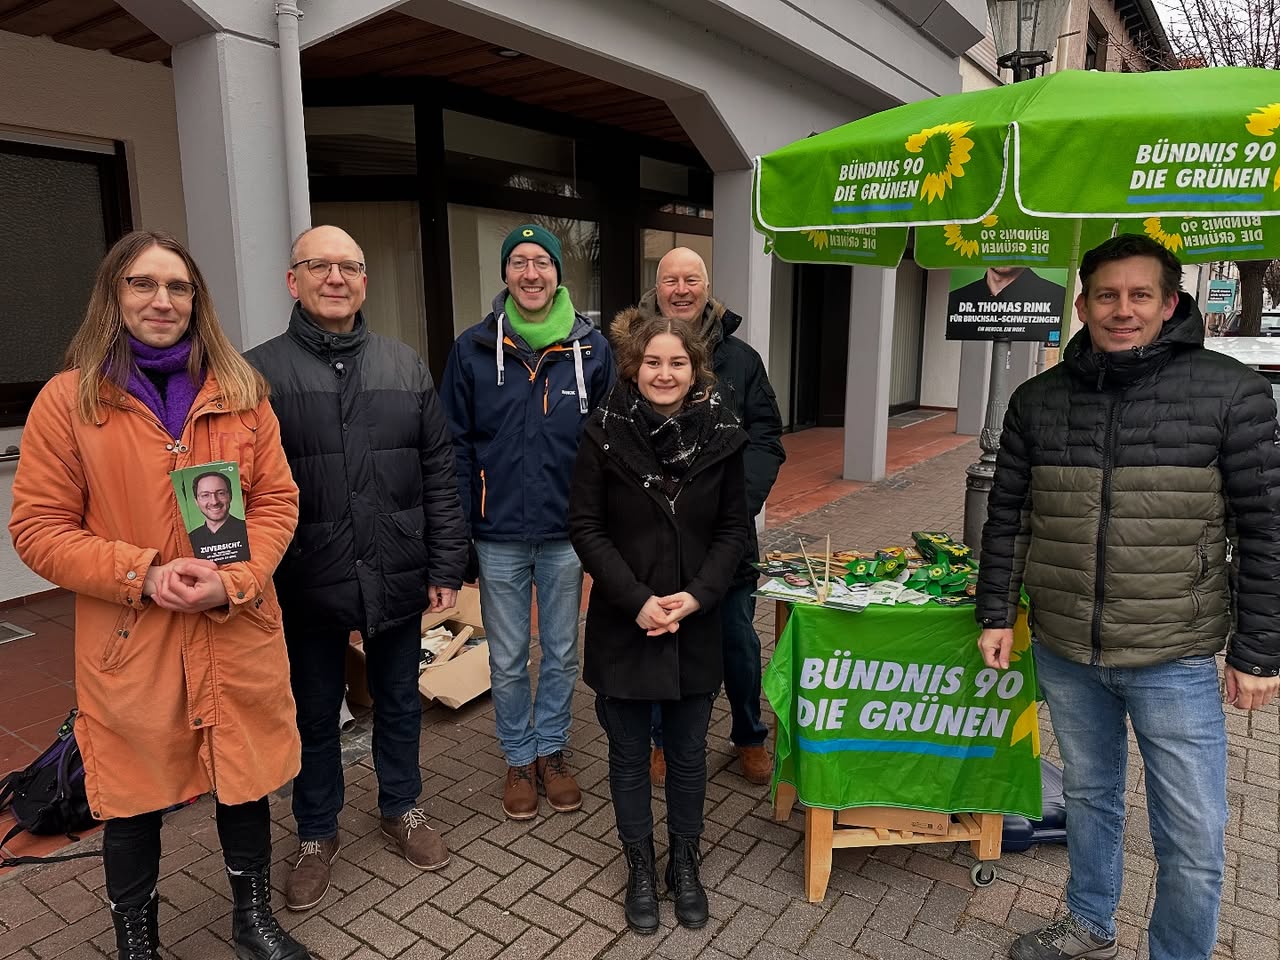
[[893, 706]]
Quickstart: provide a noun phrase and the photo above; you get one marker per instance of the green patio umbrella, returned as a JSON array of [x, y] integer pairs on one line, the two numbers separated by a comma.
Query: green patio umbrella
[[1033, 172]]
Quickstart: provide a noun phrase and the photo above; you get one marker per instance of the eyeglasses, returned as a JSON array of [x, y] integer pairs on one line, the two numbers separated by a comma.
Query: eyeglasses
[[145, 288], [207, 495], [319, 269], [519, 263]]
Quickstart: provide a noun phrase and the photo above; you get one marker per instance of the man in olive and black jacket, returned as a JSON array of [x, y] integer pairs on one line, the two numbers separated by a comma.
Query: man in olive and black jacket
[[682, 292], [381, 537], [1117, 471]]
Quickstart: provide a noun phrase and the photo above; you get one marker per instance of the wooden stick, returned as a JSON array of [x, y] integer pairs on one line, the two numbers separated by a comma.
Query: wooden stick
[[819, 587]]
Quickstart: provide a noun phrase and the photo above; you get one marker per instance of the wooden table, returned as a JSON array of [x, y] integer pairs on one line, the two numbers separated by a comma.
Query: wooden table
[[824, 832]]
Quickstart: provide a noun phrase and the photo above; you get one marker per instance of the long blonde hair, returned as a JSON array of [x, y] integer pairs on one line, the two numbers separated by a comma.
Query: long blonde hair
[[100, 349]]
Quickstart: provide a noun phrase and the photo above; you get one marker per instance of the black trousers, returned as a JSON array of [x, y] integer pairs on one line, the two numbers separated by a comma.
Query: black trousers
[[684, 727], [317, 672], [131, 848]]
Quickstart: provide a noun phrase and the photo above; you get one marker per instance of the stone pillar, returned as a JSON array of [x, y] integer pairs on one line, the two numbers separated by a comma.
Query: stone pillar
[[230, 123], [741, 272], [866, 403]]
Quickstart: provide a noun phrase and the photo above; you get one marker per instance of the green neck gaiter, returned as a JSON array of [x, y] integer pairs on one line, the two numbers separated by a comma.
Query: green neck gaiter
[[554, 328]]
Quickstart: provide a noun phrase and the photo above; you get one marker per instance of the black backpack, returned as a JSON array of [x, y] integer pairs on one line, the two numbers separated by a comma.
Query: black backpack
[[48, 797]]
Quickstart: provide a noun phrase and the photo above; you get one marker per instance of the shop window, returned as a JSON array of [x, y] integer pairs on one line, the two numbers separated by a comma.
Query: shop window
[[657, 242], [1095, 53], [388, 233], [475, 250], [60, 210], [677, 180], [364, 141], [511, 156]]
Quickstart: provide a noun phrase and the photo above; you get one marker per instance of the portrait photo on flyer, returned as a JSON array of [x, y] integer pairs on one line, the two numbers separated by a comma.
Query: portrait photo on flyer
[[212, 506]]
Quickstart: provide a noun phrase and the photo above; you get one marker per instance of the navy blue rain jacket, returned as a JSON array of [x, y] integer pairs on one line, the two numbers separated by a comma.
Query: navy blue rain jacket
[[516, 416]]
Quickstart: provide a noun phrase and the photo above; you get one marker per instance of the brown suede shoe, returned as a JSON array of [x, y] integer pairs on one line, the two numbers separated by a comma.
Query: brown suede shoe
[[658, 767], [558, 783], [309, 879], [417, 841], [520, 795], [757, 765]]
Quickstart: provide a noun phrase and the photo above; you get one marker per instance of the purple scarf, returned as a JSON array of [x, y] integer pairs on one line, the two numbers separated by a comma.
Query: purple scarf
[[180, 391]]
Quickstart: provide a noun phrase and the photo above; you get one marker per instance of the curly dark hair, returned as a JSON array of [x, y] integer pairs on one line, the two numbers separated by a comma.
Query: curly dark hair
[[633, 329]]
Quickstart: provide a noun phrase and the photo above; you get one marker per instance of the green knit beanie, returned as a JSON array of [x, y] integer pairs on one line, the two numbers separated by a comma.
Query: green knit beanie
[[531, 233]]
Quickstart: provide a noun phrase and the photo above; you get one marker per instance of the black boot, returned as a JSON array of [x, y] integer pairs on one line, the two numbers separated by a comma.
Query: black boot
[[641, 906], [137, 930], [254, 930], [684, 883]]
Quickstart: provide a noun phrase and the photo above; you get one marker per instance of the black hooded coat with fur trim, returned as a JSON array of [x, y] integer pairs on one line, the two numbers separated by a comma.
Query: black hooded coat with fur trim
[[636, 544]]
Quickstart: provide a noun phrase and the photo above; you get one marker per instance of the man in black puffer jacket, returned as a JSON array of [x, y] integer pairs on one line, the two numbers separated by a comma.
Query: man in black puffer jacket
[[381, 537], [1117, 472], [683, 293]]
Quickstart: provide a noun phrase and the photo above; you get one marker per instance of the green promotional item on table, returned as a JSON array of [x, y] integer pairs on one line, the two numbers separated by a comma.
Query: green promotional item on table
[[894, 707]]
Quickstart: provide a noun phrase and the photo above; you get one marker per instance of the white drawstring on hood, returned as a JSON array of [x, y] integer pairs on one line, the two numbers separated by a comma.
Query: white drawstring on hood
[[582, 380], [502, 376]]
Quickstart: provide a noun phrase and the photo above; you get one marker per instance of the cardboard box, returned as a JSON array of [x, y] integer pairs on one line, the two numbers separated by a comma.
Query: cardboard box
[[460, 677], [457, 677], [906, 819], [357, 673]]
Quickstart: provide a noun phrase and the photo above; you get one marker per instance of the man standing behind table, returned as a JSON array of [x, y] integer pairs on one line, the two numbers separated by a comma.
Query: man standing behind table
[[517, 390], [682, 292], [1117, 471], [380, 537]]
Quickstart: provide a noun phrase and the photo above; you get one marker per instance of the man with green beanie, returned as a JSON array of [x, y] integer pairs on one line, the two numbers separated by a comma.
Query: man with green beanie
[[515, 440]]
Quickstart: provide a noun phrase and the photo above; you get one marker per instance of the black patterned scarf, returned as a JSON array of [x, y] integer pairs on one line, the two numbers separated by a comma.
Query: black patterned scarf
[[661, 449]]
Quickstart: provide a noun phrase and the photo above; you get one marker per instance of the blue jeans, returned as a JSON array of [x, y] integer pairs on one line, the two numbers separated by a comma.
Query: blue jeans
[[741, 646], [317, 672], [1177, 717], [508, 574]]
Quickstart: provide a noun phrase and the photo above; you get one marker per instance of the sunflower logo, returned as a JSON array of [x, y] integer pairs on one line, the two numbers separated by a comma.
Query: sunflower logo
[[1155, 230], [1264, 121], [947, 151], [967, 248], [817, 237]]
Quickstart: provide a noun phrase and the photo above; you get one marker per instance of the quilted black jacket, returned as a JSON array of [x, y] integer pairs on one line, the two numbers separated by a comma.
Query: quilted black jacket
[[1116, 476], [379, 515]]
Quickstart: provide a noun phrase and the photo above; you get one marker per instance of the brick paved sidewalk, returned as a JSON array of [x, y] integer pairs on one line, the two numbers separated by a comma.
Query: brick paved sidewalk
[[552, 887]]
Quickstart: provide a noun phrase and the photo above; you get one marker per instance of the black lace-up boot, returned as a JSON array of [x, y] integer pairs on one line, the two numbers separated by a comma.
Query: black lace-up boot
[[254, 930], [641, 906], [684, 883], [137, 930]]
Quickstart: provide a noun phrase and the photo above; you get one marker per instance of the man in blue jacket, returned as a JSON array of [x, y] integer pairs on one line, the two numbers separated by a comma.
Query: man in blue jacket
[[517, 390]]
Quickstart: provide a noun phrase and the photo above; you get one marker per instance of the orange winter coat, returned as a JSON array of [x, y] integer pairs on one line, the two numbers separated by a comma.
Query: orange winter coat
[[172, 705]]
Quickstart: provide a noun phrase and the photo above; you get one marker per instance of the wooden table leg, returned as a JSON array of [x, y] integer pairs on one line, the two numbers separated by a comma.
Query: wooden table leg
[[818, 827], [784, 801], [987, 846]]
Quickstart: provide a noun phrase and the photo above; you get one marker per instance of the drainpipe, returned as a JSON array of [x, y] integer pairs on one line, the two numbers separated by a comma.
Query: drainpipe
[[295, 139]]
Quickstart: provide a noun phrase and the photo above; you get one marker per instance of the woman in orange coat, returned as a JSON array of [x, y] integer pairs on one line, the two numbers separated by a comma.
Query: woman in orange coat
[[181, 673]]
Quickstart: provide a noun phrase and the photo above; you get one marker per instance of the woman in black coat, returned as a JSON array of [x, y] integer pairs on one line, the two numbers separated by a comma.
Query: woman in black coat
[[658, 516]]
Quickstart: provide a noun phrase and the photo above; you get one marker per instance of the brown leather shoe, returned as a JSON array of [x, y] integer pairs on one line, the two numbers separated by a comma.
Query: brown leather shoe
[[417, 841], [558, 783], [658, 767], [757, 765], [309, 879], [520, 795]]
